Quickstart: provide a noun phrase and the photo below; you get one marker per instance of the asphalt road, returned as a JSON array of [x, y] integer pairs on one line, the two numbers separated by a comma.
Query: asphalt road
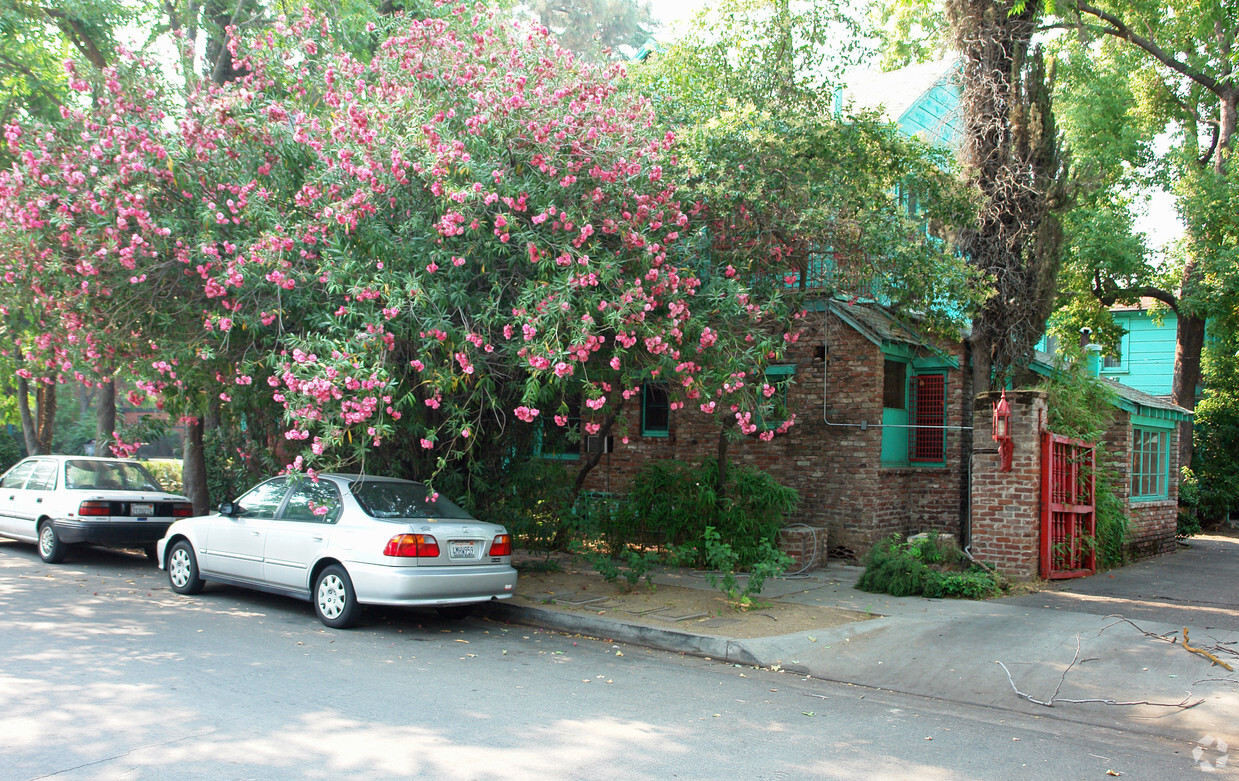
[[106, 674]]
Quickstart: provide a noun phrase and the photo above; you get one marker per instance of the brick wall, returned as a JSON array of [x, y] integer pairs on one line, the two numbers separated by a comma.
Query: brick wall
[[832, 456], [1151, 524], [1006, 506]]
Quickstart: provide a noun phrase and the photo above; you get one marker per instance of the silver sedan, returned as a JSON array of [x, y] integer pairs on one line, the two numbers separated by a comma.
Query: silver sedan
[[343, 541]]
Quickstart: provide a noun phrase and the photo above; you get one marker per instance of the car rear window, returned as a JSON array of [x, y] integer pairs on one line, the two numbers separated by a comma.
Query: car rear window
[[109, 476], [390, 499]]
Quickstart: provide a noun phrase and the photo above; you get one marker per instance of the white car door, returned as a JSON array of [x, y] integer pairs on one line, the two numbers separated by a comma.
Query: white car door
[[300, 534], [13, 497], [234, 543]]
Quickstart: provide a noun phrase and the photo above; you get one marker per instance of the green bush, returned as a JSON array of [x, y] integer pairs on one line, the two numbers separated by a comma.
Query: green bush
[[928, 566], [533, 499], [168, 472], [670, 504], [10, 451]]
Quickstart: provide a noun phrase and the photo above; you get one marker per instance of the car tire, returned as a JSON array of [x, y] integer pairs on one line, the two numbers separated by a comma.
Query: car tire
[[152, 552], [182, 566], [51, 547], [335, 601], [455, 612]]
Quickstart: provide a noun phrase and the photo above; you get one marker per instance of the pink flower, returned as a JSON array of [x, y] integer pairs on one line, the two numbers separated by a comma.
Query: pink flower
[[426, 443], [526, 414]]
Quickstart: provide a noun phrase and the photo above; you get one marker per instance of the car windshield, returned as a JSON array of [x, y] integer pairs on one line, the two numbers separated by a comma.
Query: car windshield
[[109, 475], [394, 499]]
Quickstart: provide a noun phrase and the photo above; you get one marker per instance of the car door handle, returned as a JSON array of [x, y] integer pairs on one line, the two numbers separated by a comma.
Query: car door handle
[[317, 539], [38, 501], [255, 533]]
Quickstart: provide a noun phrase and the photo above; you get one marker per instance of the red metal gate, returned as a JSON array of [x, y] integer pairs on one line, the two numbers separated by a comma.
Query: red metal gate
[[1068, 509]]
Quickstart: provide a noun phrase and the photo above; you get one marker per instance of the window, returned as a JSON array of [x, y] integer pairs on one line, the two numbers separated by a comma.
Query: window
[[655, 410], [1114, 362], [928, 407], [1150, 464], [308, 500], [894, 385], [772, 410], [561, 442], [44, 477], [263, 500], [16, 476]]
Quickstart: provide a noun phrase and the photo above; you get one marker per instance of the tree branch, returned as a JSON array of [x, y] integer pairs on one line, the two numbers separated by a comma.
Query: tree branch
[[1119, 29]]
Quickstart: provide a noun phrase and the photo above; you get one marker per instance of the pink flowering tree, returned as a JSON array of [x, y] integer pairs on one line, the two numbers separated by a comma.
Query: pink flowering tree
[[472, 228], [420, 255]]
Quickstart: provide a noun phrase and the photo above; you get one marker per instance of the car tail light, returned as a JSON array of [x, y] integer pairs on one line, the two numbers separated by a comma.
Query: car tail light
[[420, 546], [182, 510], [94, 508], [501, 545]]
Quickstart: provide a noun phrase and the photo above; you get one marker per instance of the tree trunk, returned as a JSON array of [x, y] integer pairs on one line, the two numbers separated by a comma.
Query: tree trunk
[[28, 430], [105, 417], [720, 481], [592, 459], [1188, 346], [45, 415], [193, 469]]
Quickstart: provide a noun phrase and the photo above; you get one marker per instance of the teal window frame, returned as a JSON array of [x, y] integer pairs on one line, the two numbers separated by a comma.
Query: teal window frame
[[897, 438], [1150, 464], [1120, 363], [660, 407], [768, 417]]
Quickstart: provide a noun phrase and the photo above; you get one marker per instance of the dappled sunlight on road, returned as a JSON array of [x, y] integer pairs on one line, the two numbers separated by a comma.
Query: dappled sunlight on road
[[342, 745]]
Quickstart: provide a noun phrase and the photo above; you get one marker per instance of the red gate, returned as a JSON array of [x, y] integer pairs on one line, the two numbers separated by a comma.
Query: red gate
[[1068, 509]]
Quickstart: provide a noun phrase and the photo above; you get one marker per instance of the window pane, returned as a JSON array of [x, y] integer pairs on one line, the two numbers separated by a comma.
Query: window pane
[[44, 477], [313, 501], [894, 384], [656, 410], [16, 477], [263, 500]]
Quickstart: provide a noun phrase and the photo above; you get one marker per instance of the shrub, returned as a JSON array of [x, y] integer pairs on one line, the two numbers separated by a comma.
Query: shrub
[[532, 498], [928, 566], [671, 503]]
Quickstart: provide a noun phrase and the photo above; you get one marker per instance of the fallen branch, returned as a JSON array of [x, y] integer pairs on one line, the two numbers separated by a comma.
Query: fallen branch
[[1054, 698], [1204, 653], [1169, 638]]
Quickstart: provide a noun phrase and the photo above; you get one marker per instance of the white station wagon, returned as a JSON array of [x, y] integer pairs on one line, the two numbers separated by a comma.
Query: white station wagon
[[343, 541], [56, 501]]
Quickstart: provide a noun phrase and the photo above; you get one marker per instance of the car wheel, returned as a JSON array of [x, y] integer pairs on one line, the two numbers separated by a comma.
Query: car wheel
[[51, 548], [152, 552], [455, 612], [335, 601], [183, 569]]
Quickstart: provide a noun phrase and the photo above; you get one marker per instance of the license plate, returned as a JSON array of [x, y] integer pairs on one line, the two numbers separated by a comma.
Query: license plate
[[142, 510], [461, 549]]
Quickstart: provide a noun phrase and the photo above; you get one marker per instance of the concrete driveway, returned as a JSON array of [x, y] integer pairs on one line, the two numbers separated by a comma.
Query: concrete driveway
[[1198, 586]]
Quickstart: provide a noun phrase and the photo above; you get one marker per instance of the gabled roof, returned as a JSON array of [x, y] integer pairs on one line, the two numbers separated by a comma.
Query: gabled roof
[[882, 326], [1129, 399], [893, 94]]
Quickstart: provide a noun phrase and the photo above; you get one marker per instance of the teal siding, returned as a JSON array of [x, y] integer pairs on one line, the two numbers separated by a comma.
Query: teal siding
[[1148, 364], [934, 116]]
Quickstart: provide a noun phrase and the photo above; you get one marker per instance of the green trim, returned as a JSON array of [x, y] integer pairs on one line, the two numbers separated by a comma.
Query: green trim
[[1160, 422]]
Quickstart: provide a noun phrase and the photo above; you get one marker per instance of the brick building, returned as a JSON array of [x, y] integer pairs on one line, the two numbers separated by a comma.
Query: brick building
[[883, 444]]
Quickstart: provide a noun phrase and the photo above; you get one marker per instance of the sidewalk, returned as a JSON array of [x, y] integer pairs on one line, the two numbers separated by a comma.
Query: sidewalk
[[950, 649]]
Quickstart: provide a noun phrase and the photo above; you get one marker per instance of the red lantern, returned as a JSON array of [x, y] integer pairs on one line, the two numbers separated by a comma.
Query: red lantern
[[1002, 432]]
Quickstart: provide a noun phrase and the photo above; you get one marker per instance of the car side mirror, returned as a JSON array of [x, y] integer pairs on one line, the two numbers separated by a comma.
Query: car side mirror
[[230, 509]]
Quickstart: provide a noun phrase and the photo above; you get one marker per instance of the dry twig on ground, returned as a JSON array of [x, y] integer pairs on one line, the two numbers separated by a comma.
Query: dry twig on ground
[[1184, 704]]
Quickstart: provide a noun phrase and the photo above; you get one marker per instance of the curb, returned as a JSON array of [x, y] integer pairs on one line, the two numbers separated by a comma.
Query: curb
[[717, 648]]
